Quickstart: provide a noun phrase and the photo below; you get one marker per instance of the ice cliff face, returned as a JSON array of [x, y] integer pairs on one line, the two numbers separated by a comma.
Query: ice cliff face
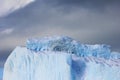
[[62, 58]]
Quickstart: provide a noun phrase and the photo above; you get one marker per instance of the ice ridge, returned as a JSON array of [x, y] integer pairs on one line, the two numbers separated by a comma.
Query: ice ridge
[[71, 46]]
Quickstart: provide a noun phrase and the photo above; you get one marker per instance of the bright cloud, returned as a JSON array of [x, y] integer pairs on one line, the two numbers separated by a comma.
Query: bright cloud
[[7, 31], [8, 6]]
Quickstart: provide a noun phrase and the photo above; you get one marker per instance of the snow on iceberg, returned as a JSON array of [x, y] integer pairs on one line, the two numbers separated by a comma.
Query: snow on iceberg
[[62, 58]]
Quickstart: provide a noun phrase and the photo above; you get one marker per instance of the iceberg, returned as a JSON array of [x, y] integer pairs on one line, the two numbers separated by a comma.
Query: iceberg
[[62, 58]]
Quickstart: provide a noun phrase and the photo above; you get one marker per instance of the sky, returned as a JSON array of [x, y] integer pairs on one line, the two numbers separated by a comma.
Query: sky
[[87, 21], [1, 73]]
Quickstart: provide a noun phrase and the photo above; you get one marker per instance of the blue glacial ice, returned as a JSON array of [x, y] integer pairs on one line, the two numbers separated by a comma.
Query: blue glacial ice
[[62, 58], [68, 45]]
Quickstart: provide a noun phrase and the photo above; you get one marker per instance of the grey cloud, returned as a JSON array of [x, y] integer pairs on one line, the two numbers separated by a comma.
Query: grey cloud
[[93, 4], [3, 56]]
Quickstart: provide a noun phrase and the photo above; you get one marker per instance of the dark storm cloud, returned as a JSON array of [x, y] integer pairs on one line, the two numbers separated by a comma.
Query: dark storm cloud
[[84, 3], [38, 15], [42, 16], [92, 2], [41, 13]]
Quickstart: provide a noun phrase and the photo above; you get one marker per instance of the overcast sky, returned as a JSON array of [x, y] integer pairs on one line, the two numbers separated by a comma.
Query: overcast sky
[[88, 21]]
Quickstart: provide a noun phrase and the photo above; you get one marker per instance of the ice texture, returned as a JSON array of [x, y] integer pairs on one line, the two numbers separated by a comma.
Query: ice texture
[[62, 58], [115, 55], [23, 64], [68, 45]]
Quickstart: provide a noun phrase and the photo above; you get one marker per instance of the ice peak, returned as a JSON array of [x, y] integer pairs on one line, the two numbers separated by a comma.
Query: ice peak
[[69, 45], [55, 43]]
